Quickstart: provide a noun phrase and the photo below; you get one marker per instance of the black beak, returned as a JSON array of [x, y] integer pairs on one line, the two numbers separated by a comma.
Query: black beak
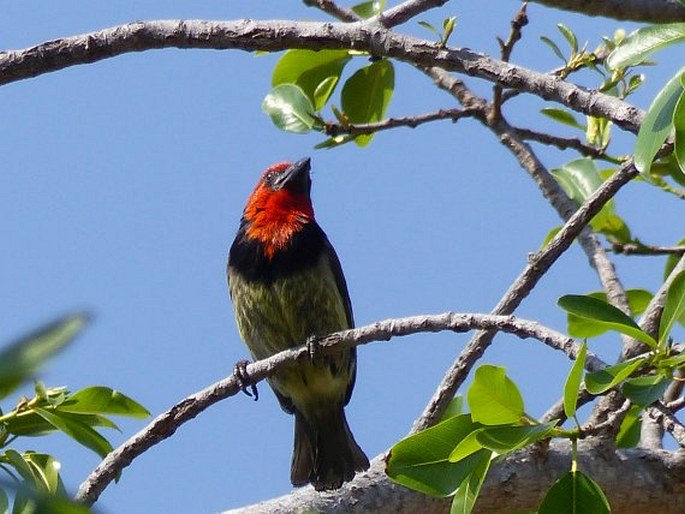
[[296, 178]]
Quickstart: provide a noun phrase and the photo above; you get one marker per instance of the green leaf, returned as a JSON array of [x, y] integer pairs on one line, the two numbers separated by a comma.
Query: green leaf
[[573, 380], [32, 501], [507, 439], [563, 116], [604, 379], [554, 48], [673, 362], [679, 127], [309, 69], [103, 400], [454, 408], [640, 44], [28, 424], [289, 109], [369, 9], [643, 391], [634, 83], [466, 447], [333, 142], [598, 133], [91, 420], [366, 95], [604, 314], [580, 178], [569, 36], [48, 504], [638, 300], [579, 327], [430, 27], [80, 432], [17, 461], [448, 24], [467, 494], [550, 235], [4, 502], [22, 358], [674, 308], [420, 461], [493, 397], [629, 432], [323, 91], [46, 469], [574, 493], [657, 124]]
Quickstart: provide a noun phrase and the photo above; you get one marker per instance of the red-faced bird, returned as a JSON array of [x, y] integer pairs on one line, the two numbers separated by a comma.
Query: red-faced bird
[[287, 286]]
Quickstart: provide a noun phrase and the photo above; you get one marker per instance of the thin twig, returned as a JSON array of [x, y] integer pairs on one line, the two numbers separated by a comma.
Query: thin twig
[[334, 129], [333, 9], [519, 21], [642, 249], [662, 415], [406, 11], [612, 423], [564, 143], [676, 405]]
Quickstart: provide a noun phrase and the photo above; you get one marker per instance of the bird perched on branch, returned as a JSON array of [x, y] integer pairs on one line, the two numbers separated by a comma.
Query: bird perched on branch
[[287, 286]]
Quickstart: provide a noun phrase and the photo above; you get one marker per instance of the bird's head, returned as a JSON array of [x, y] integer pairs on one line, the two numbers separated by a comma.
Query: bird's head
[[279, 206]]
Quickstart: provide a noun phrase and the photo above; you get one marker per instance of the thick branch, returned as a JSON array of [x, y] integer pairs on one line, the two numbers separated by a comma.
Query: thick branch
[[281, 35], [652, 11], [167, 423], [635, 481]]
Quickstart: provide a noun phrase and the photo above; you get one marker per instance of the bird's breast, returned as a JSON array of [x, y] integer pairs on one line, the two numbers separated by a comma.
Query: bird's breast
[[283, 312]]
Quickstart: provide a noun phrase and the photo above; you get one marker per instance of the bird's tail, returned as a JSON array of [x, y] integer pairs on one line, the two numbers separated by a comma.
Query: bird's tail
[[325, 453]]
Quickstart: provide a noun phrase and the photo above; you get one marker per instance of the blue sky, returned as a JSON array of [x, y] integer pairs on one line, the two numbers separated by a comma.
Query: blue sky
[[122, 186]]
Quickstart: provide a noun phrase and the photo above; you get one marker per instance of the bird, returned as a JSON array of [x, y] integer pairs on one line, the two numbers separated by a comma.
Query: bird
[[287, 287]]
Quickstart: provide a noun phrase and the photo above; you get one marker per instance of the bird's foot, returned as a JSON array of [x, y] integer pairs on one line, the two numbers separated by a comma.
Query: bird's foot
[[244, 381], [313, 346]]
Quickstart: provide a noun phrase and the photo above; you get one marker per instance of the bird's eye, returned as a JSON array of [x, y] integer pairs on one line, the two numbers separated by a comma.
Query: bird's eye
[[270, 178]]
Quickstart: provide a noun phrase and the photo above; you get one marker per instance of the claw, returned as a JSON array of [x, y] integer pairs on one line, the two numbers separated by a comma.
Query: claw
[[313, 346], [244, 381]]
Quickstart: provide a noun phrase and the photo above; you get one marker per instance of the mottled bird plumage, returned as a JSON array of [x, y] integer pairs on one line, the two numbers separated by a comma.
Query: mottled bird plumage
[[286, 284]]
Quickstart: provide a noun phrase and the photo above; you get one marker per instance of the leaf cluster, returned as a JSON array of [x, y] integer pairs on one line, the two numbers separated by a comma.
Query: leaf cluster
[[452, 458], [33, 478]]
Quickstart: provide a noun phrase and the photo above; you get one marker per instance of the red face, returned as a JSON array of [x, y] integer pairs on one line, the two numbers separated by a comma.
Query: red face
[[274, 211]]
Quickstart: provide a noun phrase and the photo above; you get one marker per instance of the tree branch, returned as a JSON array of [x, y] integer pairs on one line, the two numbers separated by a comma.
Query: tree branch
[[564, 143], [406, 11], [519, 21], [281, 35], [164, 425], [537, 266], [334, 129], [517, 483], [333, 9], [651, 11], [641, 249]]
